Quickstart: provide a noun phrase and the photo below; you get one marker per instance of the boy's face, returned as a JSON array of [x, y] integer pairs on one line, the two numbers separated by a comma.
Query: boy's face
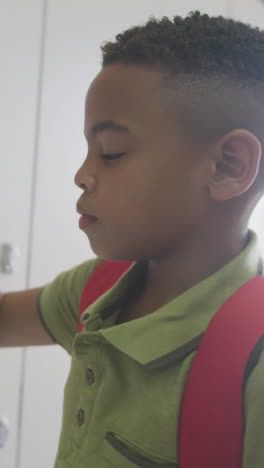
[[152, 199]]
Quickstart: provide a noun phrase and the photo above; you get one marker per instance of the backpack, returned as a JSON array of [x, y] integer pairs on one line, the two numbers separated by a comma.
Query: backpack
[[211, 425]]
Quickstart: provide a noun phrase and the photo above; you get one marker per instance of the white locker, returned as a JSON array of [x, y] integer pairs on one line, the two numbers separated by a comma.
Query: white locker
[[20, 38]]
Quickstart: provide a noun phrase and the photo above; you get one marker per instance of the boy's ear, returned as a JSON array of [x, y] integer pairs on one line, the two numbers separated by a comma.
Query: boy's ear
[[235, 164]]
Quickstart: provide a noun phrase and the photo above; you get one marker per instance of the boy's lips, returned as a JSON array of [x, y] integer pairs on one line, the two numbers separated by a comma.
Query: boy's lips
[[83, 212], [86, 218]]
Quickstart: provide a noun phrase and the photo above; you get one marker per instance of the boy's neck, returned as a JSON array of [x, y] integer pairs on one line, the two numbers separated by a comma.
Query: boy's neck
[[169, 277]]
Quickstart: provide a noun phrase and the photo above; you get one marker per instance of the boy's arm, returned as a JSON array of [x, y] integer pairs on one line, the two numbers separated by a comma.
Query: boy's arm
[[20, 324], [42, 316]]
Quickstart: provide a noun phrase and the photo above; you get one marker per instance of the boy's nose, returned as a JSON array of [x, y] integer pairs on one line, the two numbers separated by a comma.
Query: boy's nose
[[85, 181], [78, 178]]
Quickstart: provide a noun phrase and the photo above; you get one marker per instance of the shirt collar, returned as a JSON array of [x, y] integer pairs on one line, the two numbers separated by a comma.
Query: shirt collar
[[175, 330]]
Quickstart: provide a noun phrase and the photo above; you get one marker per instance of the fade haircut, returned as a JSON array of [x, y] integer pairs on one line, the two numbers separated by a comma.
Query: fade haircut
[[214, 66]]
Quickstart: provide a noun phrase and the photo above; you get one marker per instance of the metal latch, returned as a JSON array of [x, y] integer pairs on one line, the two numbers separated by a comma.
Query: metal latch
[[4, 431], [8, 258]]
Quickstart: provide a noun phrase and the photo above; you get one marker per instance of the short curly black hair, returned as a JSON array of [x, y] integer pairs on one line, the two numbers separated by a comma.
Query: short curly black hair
[[195, 44], [221, 62]]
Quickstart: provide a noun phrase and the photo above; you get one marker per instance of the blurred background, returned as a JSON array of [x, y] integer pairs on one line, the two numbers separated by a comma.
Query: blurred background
[[49, 54]]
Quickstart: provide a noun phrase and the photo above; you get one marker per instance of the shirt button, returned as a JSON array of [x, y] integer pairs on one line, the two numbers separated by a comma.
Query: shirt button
[[89, 376], [80, 417]]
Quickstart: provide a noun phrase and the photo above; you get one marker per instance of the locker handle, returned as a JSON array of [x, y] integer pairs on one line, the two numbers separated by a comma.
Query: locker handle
[[8, 258], [4, 431]]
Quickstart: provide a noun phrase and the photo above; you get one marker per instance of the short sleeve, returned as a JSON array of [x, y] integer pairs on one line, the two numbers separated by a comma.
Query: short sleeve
[[254, 418], [59, 303]]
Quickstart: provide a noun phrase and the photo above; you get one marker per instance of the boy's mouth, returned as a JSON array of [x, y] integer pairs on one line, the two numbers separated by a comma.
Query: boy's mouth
[[86, 220], [83, 212]]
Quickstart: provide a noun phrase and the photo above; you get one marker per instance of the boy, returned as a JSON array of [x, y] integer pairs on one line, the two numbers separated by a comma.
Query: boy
[[174, 122]]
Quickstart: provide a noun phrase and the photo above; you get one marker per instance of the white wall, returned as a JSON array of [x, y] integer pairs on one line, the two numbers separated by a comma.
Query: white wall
[[47, 148]]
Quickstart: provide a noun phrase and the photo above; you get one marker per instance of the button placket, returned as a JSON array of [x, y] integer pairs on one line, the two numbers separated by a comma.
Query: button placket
[[87, 354]]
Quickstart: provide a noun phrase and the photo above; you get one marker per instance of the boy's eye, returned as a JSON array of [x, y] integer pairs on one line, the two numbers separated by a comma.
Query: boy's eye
[[112, 156]]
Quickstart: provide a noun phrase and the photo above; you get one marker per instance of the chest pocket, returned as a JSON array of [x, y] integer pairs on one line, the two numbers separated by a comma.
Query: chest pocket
[[122, 455]]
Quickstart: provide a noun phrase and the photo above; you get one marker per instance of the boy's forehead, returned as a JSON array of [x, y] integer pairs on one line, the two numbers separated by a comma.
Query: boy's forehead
[[122, 90], [119, 78], [129, 95]]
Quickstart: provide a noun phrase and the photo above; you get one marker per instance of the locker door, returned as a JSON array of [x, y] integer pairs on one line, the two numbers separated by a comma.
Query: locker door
[[20, 31]]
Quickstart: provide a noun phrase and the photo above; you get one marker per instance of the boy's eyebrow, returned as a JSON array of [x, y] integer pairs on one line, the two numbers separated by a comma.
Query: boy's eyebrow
[[107, 125]]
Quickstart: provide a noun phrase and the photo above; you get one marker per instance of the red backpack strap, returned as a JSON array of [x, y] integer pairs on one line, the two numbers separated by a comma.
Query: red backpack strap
[[211, 422], [102, 279]]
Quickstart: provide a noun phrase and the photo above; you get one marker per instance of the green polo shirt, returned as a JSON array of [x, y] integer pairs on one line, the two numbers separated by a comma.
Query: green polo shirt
[[124, 391]]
